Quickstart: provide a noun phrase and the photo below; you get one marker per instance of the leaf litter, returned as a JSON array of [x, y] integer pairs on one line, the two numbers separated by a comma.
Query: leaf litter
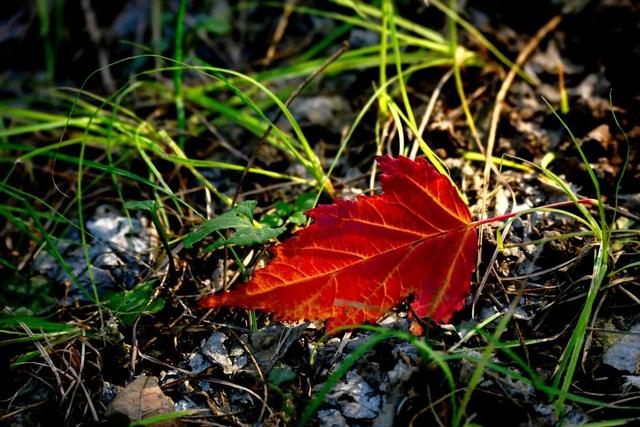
[[140, 399]]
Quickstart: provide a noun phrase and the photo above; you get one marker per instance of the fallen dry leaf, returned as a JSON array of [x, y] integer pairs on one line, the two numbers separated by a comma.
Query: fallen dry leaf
[[143, 398]]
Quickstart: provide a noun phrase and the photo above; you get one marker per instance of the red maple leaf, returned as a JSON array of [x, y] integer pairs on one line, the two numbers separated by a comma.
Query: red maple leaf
[[360, 258]]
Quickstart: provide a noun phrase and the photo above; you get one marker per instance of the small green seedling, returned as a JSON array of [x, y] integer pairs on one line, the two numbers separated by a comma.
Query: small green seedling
[[129, 304], [239, 218], [280, 375], [290, 212], [276, 379]]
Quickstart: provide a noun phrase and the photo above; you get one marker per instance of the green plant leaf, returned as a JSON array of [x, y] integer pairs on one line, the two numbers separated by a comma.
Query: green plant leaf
[[271, 220], [129, 304], [278, 375], [36, 323], [283, 209], [306, 201], [298, 218], [239, 218]]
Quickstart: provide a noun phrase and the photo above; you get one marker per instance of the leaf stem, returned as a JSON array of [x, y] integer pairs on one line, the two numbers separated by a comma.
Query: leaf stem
[[591, 202]]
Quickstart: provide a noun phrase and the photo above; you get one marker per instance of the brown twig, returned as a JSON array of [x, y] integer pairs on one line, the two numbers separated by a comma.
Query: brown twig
[[506, 85], [495, 117], [279, 32], [96, 38], [265, 388]]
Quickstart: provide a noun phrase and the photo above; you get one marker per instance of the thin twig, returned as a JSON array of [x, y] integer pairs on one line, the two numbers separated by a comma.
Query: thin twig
[[96, 38], [265, 388], [427, 114], [279, 32], [504, 90], [495, 117]]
